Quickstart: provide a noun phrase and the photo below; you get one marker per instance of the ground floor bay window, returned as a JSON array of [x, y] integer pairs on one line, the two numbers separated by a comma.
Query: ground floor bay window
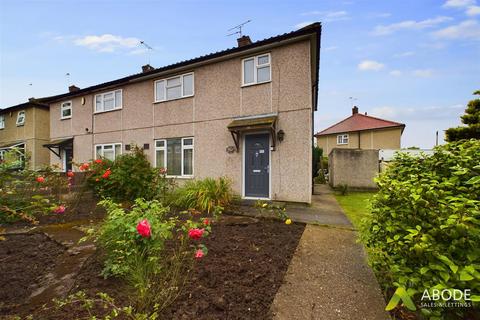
[[176, 155]]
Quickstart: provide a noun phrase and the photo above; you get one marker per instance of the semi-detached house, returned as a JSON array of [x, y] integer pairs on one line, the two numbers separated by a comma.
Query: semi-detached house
[[245, 113]]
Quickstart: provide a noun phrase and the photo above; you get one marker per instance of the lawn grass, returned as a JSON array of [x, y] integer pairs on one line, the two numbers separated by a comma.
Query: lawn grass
[[355, 205]]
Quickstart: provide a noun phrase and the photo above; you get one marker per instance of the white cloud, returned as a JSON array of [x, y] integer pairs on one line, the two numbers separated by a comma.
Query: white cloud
[[423, 73], [303, 24], [420, 113], [473, 10], [370, 65], [468, 29], [107, 42], [328, 16], [396, 73], [458, 3], [404, 54], [382, 30]]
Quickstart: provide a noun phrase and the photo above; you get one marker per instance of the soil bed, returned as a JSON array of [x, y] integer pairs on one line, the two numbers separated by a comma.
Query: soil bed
[[24, 260], [238, 279]]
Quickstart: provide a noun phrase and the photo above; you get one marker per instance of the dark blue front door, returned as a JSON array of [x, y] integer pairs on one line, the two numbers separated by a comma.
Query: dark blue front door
[[257, 165]]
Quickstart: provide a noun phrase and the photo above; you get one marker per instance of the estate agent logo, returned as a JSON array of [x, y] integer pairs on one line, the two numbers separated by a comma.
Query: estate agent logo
[[434, 298]]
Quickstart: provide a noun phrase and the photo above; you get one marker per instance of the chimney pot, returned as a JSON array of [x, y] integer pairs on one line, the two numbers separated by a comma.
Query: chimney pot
[[73, 88], [147, 68], [244, 41], [355, 110]]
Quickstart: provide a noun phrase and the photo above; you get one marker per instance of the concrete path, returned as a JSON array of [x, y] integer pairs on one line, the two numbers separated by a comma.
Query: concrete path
[[328, 277]]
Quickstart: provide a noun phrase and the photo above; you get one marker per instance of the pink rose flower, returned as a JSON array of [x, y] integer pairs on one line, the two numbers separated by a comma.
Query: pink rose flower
[[195, 234], [59, 209], [70, 174], [40, 179], [144, 229], [199, 254]]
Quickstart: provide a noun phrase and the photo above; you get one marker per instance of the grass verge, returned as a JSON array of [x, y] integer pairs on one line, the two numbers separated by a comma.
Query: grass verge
[[355, 205]]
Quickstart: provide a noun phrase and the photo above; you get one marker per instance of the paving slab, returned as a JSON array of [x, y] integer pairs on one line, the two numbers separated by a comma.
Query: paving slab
[[328, 278]]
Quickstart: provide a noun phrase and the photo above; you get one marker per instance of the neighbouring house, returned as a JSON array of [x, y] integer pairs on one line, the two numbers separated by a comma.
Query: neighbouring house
[[25, 128], [245, 112], [361, 131]]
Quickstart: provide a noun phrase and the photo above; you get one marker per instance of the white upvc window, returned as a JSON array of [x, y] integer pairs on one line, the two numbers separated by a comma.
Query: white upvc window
[[175, 155], [342, 139], [108, 151], [21, 118], [108, 101], [177, 87], [2, 121], [256, 69], [66, 110]]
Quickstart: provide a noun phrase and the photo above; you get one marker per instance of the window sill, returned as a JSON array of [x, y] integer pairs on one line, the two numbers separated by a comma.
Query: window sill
[[99, 112], [181, 177], [342, 144], [20, 125], [163, 101], [66, 118], [255, 84]]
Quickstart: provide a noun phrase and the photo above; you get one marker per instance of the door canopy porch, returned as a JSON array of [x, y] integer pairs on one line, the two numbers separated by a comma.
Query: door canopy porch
[[59, 144], [266, 122]]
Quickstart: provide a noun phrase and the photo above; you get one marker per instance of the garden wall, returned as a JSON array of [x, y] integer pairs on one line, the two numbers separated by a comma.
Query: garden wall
[[353, 167]]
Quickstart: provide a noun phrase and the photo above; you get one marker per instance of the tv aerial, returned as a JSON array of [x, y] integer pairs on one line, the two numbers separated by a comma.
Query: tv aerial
[[148, 49], [238, 29]]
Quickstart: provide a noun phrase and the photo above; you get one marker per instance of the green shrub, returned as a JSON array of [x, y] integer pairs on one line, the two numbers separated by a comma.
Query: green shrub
[[27, 194], [127, 178], [207, 195], [150, 249], [424, 232], [317, 154]]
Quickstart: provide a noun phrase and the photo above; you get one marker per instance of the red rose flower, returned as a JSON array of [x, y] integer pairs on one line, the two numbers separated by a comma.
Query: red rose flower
[[199, 254], [59, 209], [98, 161], [195, 234], [206, 222], [70, 173], [143, 228], [107, 173], [97, 180], [84, 166], [40, 179]]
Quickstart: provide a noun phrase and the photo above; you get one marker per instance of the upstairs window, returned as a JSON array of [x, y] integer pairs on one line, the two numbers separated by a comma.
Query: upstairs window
[[2, 122], [342, 139], [21, 118], [174, 88], [176, 155], [256, 69], [66, 110], [108, 101], [108, 151]]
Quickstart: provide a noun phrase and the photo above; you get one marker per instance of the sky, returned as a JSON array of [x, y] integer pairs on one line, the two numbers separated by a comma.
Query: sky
[[415, 62]]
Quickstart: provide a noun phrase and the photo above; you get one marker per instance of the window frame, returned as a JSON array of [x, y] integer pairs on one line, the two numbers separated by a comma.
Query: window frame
[[19, 124], [165, 80], [256, 66], [103, 101], [62, 108], [184, 147], [102, 145], [2, 121], [342, 139]]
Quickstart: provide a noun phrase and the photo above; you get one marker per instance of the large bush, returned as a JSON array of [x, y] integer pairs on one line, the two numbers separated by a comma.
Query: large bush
[[424, 232], [127, 178], [27, 194], [151, 249]]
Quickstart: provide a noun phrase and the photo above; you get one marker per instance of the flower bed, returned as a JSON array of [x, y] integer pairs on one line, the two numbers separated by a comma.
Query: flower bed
[[238, 279]]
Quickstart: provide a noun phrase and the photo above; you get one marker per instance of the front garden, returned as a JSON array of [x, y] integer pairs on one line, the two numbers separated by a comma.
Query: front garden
[[122, 240]]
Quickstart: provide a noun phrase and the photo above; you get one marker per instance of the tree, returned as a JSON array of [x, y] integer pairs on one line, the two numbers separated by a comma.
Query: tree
[[472, 120]]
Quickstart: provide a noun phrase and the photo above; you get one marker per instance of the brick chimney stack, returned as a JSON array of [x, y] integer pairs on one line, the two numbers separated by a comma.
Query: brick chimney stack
[[354, 110], [147, 68], [73, 88], [244, 41]]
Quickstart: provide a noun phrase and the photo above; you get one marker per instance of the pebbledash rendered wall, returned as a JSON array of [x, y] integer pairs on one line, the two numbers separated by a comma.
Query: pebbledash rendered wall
[[354, 167], [218, 98]]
